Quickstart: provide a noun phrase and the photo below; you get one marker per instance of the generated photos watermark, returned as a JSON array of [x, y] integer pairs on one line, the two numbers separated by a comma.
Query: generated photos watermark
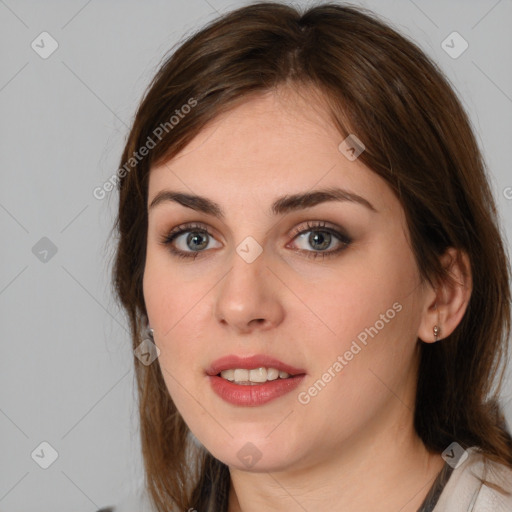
[[304, 397], [108, 185]]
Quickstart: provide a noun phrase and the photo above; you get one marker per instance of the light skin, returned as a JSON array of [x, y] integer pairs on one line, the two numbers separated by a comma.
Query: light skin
[[352, 447]]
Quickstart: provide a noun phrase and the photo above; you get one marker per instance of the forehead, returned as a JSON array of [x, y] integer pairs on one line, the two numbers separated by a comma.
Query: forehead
[[271, 145]]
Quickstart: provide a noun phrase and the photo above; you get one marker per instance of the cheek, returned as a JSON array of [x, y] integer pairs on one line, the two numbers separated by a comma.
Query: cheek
[[173, 308], [171, 301], [181, 338], [372, 287], [372, 309]]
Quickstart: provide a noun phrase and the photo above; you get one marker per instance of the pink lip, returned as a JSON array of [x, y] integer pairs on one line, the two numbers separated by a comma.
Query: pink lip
[[256, 394]]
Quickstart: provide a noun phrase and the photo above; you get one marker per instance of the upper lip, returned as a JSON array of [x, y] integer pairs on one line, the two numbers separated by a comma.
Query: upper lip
[[249, 363]]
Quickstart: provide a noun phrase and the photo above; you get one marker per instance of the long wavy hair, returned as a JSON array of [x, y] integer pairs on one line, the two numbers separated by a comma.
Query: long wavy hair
[[381, 86]]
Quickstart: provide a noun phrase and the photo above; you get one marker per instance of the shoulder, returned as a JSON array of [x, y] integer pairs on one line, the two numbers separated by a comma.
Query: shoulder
[[465, 490]]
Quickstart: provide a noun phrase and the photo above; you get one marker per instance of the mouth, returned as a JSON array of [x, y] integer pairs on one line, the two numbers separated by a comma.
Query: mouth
[[255, 376], [252, 381]]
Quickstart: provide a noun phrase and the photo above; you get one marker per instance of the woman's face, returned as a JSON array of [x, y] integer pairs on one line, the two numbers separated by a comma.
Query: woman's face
[[338, 307]]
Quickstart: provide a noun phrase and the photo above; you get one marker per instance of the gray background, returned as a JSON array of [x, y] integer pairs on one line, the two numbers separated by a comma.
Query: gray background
[[66, 365]]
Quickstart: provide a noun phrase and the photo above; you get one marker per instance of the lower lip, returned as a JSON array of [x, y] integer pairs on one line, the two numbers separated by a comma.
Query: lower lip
[[253, 395]]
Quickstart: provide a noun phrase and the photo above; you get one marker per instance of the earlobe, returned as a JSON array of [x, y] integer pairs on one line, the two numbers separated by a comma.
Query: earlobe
[[446, 305]]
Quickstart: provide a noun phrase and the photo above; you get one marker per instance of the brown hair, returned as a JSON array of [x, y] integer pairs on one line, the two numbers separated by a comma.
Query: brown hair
[[381, 87]]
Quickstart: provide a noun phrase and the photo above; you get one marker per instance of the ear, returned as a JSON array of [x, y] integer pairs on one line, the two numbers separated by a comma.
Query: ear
[[446, 304]]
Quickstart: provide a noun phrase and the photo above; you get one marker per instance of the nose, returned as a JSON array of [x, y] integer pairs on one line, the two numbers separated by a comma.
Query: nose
[[248, 298]]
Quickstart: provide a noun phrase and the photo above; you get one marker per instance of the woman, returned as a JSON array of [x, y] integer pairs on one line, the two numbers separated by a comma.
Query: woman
[[317, 260]]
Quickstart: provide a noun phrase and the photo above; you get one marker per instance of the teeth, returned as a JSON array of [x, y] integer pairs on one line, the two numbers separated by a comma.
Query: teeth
[[241, 375], [257, 375], [228, 374], [272, 374]]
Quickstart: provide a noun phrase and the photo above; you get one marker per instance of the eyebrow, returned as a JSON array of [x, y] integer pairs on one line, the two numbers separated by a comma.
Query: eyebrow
[[280, 206]]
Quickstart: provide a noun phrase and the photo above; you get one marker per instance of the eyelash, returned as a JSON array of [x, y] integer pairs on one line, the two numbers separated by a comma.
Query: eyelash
[[198, 228]]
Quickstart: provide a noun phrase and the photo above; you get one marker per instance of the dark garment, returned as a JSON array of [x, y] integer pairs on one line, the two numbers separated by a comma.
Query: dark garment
[[432, 497]]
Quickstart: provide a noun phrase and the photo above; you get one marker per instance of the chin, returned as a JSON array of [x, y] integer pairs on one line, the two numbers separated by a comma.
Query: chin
[[255, 453]]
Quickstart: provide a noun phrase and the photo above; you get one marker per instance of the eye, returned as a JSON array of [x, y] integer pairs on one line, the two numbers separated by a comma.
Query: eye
[[321, 237], [196, 241]]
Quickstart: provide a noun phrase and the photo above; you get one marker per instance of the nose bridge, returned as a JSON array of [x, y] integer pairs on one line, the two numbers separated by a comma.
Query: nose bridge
[[248, 294]]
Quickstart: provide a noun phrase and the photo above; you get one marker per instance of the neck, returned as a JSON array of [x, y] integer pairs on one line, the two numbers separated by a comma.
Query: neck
[[390, 463]]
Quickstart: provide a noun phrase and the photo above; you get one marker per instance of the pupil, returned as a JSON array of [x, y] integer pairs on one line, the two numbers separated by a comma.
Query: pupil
[[326, 237], [195, 237]]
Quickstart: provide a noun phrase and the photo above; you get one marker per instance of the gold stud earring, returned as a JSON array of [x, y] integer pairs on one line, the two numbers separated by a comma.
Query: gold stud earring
[[437, 331]]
